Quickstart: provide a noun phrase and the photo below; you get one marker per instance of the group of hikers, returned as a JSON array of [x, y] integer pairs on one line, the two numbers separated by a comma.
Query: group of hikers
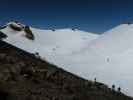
[[113, 87], [118, 89]]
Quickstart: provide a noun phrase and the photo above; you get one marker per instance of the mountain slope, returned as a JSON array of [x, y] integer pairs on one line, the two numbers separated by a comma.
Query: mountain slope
[[25, 77], [48, 42], [107, 57]]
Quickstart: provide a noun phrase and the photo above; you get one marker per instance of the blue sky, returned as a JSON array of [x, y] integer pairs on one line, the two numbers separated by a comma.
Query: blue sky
[[89, 15]]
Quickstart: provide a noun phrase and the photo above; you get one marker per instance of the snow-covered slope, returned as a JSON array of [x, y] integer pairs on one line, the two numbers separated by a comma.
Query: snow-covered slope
[[107, 57], [48, 42]]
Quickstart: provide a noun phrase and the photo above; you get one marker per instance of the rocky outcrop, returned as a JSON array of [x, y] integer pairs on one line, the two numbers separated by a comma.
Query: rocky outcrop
[[2, 35], [3, 27], [29, 33], [15, 27]]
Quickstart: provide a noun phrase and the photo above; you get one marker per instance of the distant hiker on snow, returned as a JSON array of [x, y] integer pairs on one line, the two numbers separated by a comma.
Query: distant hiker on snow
[[119, 89]]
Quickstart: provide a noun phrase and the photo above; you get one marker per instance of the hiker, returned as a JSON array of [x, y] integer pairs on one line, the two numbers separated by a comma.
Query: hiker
[[113, 87], [107, 59], [37, 55], [95, 80], [119, 89]]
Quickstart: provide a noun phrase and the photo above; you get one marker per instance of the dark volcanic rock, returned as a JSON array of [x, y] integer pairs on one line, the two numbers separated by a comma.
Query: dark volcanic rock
[[2, 35], [25, 77], [14, 27], [3, 26], [29, 33]]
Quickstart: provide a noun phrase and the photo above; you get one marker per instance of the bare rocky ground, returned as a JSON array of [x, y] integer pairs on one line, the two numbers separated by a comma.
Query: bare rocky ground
[[25, 77]]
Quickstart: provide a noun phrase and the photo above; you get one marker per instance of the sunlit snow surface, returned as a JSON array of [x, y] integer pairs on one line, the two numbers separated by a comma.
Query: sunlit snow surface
[[108, 57]]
